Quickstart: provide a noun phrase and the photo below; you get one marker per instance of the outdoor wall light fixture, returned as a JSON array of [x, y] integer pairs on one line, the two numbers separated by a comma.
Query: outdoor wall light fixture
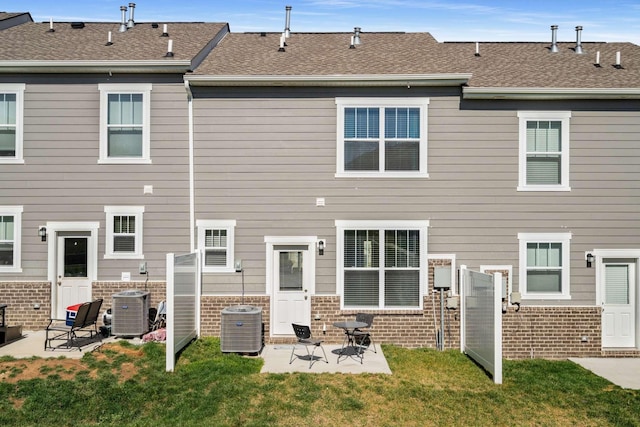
[[321, 246], [42, 232], [589, 258]]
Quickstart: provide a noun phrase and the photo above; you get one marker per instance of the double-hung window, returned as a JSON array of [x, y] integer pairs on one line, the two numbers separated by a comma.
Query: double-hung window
[[124, 232], [11, 116], [125, 123], [544, 151], [382, 137], [10, 235], [382, 265], [544, 265], [216, 243]]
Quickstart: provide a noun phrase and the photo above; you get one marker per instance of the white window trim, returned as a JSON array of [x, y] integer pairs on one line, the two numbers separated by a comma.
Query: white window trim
[[145, 90], [112, 211], [18, 90], [454, 281], [342, 225], [565, 239], [204, 224], [16, 212], [561, 116], [343, 103]]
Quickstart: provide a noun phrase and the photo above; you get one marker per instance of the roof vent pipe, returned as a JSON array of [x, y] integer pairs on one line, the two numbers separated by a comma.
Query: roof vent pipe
[[554, 39], [123, 21], [356, 36], [131, 22], [578, 48], [287, 25]]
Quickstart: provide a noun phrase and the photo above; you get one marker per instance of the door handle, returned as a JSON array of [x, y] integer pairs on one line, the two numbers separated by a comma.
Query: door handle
[[305, 297]]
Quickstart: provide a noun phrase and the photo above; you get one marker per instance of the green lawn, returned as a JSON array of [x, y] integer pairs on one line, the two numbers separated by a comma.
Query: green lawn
[[129, 388]]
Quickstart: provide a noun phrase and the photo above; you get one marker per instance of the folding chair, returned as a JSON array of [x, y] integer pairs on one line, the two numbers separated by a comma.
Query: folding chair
[[363, 338], [303, 334]]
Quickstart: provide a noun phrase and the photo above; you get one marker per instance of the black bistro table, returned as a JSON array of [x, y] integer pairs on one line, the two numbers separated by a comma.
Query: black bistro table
[[349, 344]]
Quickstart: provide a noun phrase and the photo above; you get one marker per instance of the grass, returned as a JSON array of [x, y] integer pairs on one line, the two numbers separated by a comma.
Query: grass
[[126, 386]]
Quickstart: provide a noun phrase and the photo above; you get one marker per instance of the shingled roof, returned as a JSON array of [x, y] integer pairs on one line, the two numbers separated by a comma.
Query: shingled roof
[[33, 46], [410, 57]]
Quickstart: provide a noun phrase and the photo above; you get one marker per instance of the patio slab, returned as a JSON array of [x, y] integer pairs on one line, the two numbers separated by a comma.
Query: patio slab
[[276, 360], [624, 372]]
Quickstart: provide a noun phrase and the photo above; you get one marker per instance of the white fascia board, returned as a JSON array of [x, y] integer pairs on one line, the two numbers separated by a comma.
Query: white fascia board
[[134, 66], [332, 80], [549, 93]]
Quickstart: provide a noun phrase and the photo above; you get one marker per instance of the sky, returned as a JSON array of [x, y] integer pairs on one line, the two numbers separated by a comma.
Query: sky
[[446, 20]]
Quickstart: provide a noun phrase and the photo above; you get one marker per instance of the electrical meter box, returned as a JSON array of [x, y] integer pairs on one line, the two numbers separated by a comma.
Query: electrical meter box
[[442, 277]]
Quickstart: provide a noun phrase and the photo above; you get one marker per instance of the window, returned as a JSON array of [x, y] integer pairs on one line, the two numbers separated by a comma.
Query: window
[[11, 115], [544, 151], [382, 265], [382, 137], [10, 234], [124, 232], [544, 265], [215, 241], [125, 123]]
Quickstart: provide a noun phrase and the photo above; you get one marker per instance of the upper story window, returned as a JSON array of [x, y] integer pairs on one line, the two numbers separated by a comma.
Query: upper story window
[[10, 233], [382, 264], [125, 123], [11, 116], [544, 265], [544, 151], [124, 232], [216, 241], [382, 137]]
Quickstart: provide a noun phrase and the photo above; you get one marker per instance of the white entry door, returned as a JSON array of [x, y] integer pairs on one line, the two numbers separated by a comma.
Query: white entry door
[[619, 305], [292, 287], [73, 282]]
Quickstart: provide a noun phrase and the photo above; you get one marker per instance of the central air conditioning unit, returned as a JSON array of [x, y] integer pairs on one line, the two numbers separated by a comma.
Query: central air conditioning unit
[[130, 313], [241, 329]]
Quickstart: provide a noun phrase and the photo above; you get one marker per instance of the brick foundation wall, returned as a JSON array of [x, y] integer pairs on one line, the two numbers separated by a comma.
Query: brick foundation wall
[[21, 298], [105, 290], [551, 332], [212, 306]]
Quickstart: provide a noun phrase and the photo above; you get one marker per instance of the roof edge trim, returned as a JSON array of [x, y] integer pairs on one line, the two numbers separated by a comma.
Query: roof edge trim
[[549, 93], [450, 79], [134, 66]]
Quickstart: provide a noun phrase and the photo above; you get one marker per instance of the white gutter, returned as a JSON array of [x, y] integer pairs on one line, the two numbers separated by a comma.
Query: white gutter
[[549, 93], [331, 80], [133, 66], [192, 221]]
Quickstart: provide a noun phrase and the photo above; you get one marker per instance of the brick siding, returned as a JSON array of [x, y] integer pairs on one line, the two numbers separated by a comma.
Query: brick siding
[[21, 299]]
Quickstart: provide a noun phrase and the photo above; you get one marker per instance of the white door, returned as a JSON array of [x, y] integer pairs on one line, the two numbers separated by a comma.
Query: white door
[[619, 305], [291, 284], [74, 284]]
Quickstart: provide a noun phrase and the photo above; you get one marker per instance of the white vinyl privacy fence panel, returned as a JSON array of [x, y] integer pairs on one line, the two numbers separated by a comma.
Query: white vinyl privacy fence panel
[[481, 305], [183, 303]]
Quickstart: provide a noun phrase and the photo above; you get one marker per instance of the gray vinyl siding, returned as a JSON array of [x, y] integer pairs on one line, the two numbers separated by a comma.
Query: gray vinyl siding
[[61, 179], [263, 156]]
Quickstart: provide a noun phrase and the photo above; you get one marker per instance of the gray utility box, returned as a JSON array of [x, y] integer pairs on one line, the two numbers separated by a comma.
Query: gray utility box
[[130, 313], [241, 329]]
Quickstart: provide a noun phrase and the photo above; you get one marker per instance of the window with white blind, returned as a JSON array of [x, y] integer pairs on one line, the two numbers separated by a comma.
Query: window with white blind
[[11, 116], [10, 238], [382, 137], [124, 232], [382, 265], [544, 151], [125, 123], [216, 243], [544, 265]]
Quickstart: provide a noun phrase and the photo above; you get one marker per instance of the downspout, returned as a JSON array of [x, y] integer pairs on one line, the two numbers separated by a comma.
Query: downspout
[[192, 221]]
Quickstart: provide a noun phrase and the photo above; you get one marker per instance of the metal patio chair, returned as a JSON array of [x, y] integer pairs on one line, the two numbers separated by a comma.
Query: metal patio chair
[[362, 338], [303, 334]]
